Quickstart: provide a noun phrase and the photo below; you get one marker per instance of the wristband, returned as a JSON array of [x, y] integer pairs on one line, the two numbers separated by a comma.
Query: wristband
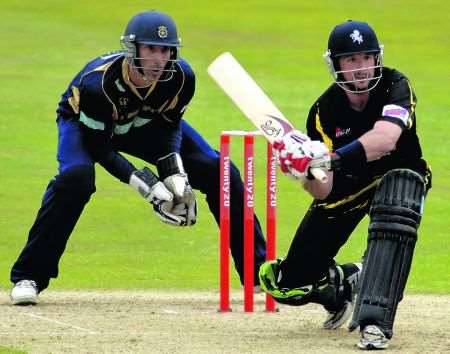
[[351, 156], [169, 165]]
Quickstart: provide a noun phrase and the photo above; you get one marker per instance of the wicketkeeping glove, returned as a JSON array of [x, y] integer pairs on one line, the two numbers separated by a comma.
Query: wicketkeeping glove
[[171, 172], [171, 214], [146, 183]]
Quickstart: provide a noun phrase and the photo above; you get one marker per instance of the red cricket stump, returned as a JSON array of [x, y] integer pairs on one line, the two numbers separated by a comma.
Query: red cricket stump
[[249, 204], [271, 215], [224, 223], [249, 197]]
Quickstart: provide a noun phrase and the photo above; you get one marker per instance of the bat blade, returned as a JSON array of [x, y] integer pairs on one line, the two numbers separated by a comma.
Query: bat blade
[[249, 97], [252, 101]]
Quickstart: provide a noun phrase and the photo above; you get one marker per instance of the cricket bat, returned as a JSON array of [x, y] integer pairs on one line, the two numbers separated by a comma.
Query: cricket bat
[[252, 101]]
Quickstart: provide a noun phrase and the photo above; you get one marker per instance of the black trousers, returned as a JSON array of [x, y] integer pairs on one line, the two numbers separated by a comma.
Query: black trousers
[[324, 229]]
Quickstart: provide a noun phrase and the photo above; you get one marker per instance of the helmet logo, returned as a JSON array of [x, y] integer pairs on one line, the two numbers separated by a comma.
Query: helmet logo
[[162, 32], [356, 36]]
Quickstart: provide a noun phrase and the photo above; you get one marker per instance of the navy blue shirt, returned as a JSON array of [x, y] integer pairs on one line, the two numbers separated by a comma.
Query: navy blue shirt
[[105, 102]]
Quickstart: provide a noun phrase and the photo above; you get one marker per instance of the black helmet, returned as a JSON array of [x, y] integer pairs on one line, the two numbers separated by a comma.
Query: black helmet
[[151, 28], [352, 37], [348, 38]]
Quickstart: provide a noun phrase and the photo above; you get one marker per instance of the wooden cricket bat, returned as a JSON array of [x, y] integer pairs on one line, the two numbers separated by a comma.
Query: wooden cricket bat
[[252, 101]]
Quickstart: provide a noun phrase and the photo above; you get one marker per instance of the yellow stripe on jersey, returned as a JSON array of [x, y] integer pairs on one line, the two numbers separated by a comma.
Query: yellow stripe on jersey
[[326, 139], [160, 109], [126, 78], [413, 105], [350, 197], [172, 104], [74, 100], [175, 99], [103, 67]]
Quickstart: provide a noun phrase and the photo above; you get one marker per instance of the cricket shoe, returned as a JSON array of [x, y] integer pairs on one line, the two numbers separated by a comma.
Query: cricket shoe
[[269, 278], [24, 292], [345, 279], [373, 338]]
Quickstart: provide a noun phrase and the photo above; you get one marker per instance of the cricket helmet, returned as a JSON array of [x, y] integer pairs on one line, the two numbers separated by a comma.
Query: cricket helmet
[[150, 28], [349, 38]]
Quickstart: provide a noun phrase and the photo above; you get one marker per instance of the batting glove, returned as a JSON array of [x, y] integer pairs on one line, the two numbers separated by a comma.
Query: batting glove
[[310, 154]]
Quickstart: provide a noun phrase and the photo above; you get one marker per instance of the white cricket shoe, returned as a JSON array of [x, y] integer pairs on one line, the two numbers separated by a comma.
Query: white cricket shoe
[[372, 338], [24, 292]]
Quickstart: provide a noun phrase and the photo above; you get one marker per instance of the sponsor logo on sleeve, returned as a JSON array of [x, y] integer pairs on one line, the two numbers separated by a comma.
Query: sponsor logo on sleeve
[[394, 111], [342, 132]]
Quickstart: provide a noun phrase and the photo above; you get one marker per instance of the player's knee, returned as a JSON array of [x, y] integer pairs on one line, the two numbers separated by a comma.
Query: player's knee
[[397, 204], [77, 181]]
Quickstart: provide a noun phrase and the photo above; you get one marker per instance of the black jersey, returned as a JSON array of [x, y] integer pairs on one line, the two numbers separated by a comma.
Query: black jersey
[[333, 121], [105, 102]]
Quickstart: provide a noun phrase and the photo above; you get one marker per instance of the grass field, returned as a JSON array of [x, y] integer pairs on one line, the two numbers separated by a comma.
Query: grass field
[[118, 242]]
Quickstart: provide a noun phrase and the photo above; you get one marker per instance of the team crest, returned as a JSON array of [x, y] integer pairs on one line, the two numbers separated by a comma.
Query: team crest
[[162, 32], [123, 101], [356, 36]]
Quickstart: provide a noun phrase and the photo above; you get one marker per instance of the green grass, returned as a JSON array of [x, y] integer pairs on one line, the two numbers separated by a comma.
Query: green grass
[[5, 350], [118, 242]]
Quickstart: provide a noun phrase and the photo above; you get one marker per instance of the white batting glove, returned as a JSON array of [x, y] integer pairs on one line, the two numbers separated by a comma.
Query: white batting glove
[[289, 142], [307, 155], [320, 155], [284, 148]]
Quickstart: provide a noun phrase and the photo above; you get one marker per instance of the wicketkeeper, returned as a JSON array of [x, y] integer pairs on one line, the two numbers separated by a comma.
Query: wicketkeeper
[[129, 101]]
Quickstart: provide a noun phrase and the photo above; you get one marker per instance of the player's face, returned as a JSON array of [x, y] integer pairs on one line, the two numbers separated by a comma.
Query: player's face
[[358, 69], [153, 59]]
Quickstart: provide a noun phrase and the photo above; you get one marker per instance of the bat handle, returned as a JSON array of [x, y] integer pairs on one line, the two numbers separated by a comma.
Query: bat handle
[[319, 174]]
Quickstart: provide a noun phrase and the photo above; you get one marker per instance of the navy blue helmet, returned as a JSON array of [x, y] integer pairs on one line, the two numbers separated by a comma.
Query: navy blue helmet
[[150, 28], [348, 38]]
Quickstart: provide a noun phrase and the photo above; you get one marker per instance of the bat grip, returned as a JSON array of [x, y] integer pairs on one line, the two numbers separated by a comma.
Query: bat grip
[[319, 174]]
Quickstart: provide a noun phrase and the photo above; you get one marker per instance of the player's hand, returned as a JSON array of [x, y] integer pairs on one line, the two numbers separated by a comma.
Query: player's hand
[[310, 154], [290, 141], [171, 170], [284, 147], [147, 184], [184, 196], [173, 214]]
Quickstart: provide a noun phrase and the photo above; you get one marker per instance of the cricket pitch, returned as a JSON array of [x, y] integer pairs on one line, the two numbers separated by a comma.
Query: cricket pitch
[[176, 321]]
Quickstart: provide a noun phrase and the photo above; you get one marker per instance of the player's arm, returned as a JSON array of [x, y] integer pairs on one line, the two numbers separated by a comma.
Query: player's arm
[[397, 115], [380, 140]]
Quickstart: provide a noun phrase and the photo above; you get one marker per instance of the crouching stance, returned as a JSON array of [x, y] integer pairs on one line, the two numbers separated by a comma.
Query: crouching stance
[[362, 132], [130, 101]]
